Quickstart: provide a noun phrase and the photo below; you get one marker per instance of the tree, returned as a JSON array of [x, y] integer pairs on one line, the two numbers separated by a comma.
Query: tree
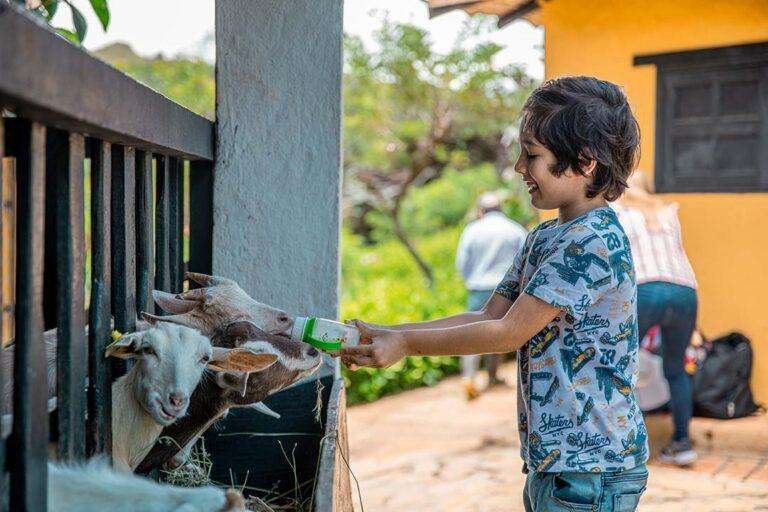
[[47, 9], [410, 113]]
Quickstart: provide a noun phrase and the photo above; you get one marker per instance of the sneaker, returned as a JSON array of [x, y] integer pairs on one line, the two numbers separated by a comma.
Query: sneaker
[[679, 453], [495, 381], [470, 390]]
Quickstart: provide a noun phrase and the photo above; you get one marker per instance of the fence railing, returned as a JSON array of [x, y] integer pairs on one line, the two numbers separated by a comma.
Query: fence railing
[[75, 130]]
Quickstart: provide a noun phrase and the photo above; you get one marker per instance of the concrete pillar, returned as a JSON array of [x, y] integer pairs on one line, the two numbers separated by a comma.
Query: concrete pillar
[[278, 161]]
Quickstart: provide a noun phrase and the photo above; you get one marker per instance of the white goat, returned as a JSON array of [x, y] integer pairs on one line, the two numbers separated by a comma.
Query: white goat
[[96, 487], [170, 361]]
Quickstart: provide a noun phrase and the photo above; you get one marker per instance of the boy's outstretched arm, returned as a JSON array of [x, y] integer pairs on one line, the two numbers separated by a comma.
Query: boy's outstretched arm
[[496, 307], [381, 347]]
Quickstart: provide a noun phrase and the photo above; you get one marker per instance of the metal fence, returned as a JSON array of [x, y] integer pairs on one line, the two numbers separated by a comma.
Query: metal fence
[[66, 113]]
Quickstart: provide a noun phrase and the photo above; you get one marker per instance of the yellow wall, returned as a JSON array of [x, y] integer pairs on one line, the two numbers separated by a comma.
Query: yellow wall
[[725, 235]]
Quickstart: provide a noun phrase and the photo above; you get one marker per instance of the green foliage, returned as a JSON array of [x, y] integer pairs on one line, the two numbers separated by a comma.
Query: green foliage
[[382, 284], [101, 9], [450, 202], [393, 96], [189, 82], [48, 8]]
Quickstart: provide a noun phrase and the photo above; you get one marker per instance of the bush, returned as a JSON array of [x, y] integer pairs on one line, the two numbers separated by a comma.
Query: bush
[[382, 284]]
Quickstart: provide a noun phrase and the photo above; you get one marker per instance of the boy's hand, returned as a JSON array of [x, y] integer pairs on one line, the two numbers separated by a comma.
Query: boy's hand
[[378, 348]]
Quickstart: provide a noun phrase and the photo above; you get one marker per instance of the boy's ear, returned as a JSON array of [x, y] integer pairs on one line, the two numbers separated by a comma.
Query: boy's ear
[[587, 163]]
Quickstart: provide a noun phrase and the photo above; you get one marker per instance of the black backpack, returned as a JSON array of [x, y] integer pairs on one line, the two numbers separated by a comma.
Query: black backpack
[[721, 383]]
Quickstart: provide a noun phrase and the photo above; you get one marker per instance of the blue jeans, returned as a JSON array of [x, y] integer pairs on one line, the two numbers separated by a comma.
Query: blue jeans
[[575, 492], [673, 308]]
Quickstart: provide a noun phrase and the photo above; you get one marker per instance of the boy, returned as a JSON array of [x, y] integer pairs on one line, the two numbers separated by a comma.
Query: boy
[[567, 305]]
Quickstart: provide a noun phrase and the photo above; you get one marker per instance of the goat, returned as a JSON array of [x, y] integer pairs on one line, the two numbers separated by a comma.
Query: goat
[[170, 360], [217, 305], [213, 398], [153, 394], [207, 309], [96, 487]]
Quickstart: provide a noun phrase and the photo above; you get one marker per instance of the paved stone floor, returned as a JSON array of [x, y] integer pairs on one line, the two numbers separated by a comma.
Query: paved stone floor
[[430, 450]]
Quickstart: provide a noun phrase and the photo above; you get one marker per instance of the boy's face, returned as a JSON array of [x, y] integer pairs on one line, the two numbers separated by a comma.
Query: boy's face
[[548, 192]]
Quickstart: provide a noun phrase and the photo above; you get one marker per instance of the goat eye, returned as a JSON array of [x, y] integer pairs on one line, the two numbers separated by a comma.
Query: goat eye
[[148, 351], [205, 359]]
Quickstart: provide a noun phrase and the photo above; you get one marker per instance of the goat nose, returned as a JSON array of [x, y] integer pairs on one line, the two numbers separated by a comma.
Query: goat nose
[[177, 399]]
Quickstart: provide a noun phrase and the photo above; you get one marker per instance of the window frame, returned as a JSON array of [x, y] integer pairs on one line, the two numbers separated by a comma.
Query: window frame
[[677, 68]]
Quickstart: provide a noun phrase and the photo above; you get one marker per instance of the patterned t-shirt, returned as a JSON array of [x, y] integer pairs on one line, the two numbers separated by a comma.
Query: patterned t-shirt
[[576, 405]]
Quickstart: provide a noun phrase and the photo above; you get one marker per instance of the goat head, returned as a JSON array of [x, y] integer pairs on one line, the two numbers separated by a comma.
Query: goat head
[[225, 389], [220, 302]]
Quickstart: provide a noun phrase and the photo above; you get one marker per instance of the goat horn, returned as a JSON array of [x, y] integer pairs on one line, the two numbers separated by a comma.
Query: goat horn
[[198, 294], [262, 408], [206, 280], [171, 303], [173, 319]]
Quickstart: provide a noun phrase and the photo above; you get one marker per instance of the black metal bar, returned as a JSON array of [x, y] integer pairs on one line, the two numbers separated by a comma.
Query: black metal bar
[[35, 63], [123, 238], [55, 159], [201, 217], [99, 425], [3, 474], [66, 153], [29, 438], [145, 265], [162, 224], [176, 223]]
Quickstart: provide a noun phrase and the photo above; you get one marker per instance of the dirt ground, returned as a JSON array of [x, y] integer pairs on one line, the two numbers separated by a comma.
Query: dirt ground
[[430, 450]]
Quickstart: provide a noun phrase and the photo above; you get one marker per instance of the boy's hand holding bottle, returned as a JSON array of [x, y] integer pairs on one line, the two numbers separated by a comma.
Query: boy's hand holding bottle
[[378, 347]]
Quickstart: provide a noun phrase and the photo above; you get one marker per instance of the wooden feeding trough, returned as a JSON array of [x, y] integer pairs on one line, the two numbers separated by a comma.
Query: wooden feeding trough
[[297, 462]]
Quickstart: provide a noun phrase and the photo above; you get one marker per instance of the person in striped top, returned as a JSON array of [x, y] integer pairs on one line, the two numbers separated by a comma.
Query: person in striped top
[[666, 296]]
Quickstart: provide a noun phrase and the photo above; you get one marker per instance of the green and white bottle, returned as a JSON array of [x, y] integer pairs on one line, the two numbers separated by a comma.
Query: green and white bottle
[[323, 333]]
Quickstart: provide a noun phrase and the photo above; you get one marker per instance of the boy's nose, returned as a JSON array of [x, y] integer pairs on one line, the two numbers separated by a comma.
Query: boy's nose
[[519, 165]]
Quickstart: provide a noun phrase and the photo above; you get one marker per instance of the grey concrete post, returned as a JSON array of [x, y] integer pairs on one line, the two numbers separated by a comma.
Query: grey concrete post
[[278, 161]]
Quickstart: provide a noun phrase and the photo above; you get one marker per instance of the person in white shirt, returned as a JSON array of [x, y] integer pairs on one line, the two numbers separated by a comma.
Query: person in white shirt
[[486, 247]]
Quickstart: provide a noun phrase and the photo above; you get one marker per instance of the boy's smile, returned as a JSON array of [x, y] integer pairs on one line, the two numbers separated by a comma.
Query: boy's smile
[[566, 193]]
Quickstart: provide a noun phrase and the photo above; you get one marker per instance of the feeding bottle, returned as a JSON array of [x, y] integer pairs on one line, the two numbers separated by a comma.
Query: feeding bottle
[[323, 333]]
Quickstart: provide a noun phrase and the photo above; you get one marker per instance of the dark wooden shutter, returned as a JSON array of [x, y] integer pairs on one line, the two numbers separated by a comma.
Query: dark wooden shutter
[[712, 120]]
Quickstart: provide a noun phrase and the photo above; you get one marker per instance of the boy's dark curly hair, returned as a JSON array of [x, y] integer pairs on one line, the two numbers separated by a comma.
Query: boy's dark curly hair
[[580, 119]]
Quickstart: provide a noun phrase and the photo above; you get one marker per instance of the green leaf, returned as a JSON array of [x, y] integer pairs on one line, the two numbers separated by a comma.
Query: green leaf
[[68, 34], [81, 26], [50, 8], [101, 9]]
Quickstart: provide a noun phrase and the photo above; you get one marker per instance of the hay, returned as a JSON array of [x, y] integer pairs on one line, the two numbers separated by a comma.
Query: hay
[[196, 472], [318, 410]]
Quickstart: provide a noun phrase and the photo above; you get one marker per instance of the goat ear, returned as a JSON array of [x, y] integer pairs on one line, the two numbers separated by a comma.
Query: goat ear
[[236, 381], [240, 360], [173, 304], [126, 347]]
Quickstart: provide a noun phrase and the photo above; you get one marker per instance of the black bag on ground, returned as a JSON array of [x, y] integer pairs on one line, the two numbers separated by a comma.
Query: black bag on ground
[[721, 383]]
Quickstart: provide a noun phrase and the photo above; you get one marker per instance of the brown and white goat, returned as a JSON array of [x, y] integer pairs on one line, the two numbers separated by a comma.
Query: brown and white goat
[[219, 303], [213, 397], [170, 361]]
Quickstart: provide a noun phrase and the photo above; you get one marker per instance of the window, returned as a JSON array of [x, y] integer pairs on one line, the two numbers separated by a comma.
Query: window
[[712, 119]]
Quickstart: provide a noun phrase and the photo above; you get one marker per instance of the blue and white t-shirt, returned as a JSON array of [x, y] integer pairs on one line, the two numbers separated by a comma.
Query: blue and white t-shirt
[[576, 405]]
